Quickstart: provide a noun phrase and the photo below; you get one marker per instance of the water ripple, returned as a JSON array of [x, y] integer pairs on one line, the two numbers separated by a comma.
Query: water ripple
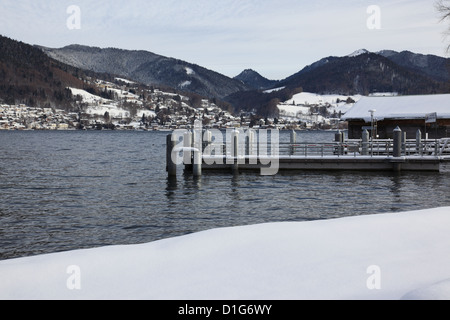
[[63, 191]]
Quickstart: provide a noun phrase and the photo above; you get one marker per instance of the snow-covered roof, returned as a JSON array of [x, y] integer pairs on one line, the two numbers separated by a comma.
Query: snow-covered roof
[[400, 107]]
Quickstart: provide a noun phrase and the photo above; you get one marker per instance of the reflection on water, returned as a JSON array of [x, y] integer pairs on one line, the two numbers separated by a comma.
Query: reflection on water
[[172, 184], [68, 190], [396, 186]]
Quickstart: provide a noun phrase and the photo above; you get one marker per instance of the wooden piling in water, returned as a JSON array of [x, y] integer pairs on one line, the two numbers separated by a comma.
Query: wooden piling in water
[[398, 143], [365, 143], [235, 152], [198, 161], [340, 138], [419, 148], [171, 165], [293, 142]]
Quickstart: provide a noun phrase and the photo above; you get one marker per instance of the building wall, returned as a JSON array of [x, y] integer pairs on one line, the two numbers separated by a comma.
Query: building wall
[[385, 129]]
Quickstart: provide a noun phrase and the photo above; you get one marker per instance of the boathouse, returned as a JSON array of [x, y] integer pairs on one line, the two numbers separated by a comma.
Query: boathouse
[[381, 115]]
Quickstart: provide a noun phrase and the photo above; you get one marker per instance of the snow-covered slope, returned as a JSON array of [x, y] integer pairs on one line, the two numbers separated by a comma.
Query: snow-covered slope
[[98, 106], [301, 103], [387, 256], [88, 97], [307, 98]]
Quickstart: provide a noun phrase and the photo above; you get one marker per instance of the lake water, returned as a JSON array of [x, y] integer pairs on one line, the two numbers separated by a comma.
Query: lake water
[[70, 190]]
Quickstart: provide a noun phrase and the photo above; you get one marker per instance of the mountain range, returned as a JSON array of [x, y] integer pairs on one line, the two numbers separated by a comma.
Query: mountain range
[[367, 72], [437, 68], [36, 73], [362, 72], [148, 68]]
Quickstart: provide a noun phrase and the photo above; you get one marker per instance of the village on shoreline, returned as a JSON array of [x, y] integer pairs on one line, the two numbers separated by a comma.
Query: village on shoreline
[[167, 112], [22, 117]]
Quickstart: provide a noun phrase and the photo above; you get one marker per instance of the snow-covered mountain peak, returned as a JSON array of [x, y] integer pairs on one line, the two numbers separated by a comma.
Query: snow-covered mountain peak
[[358, 53]]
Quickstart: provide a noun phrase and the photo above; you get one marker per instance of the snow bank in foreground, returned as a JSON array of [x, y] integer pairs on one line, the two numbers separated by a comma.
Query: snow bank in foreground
[[391, 256]]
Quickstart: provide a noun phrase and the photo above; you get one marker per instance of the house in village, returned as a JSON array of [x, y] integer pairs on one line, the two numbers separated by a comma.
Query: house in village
[[381, 115]]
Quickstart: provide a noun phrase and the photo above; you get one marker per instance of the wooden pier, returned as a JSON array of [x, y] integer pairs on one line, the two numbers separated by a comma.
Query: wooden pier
[[198, 153]]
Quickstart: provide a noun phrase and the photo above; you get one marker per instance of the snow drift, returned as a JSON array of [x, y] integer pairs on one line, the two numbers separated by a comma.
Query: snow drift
[[388, 256]]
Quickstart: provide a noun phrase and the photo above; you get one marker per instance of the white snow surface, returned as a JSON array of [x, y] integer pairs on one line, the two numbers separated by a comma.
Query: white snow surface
[[327, 259], [307, 98], [273, 90], [185, 84], [88, 97], [189, 71], [111, 109], [400, 107], [384, 94], [98, 105], [358, 53], [301, 102], [125, 80]]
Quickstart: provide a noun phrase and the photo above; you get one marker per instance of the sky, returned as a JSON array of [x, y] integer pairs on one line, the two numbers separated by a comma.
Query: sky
[[276, 38]]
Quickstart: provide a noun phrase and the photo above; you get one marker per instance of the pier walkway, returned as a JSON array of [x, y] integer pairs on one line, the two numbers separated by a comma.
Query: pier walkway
[[248, 152]]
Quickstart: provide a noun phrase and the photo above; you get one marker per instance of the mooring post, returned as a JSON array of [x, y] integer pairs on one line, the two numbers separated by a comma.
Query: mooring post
[[437, 147], [339, 138], [253, 145], [171, 165], [404, 142], [248, 143], [197, 145], [235, 150], [251, 151], [187, 154], [397, 148], [419, 142], [293, 142], [397, 142], [198, 161], [365, 143]]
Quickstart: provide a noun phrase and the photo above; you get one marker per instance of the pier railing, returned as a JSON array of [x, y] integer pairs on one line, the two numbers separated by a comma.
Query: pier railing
[[353, 147], [410, 147]]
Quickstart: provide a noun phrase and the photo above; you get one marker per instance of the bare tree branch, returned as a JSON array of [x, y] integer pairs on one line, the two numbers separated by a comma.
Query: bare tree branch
[[443, 7]]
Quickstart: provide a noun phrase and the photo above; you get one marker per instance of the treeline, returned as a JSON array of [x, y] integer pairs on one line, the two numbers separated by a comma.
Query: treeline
[[29, 76]]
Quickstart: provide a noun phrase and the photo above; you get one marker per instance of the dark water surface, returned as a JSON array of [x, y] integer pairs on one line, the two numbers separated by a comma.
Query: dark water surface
[[61, 191]]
